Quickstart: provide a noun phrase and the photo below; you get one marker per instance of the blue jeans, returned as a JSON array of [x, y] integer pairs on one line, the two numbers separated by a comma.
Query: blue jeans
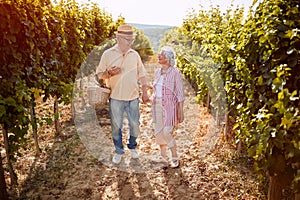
[[117, 109]]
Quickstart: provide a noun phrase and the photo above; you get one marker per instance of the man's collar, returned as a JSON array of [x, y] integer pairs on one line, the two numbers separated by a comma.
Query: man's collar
[[116, 48]]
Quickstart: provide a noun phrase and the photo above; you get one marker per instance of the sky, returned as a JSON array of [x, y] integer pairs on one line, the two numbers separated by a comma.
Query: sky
[[161, 12]]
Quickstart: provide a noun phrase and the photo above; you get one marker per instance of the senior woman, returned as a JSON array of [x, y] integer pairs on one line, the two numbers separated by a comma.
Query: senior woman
[[167, 105]]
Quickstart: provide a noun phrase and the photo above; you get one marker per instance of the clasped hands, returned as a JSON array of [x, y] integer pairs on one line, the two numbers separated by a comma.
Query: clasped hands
[[114, 70], [109, 72]]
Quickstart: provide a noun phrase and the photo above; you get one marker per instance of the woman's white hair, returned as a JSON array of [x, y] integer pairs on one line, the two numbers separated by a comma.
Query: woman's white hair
[[170, 55]]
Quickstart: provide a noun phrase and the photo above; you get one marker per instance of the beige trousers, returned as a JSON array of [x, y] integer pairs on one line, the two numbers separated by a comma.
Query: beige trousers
[[163, 134]]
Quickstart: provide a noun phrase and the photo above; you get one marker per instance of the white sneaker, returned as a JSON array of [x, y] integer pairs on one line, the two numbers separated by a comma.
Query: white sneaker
[[174, 163], [117, 158], [134, 153]]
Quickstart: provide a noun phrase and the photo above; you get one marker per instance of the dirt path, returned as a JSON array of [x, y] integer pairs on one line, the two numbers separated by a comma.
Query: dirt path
[[68, 170]]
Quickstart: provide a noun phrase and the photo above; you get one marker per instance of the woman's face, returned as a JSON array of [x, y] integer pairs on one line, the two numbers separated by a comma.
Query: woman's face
[[162, 59]]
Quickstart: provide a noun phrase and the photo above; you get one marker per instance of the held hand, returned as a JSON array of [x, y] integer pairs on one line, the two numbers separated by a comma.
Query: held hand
[[145, 98], [114, 70]]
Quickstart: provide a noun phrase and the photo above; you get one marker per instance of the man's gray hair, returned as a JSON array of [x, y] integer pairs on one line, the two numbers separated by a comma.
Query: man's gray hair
[[170, 55]]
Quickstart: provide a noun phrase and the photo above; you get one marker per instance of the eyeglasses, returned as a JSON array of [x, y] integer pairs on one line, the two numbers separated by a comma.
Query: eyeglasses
[[128, 40]]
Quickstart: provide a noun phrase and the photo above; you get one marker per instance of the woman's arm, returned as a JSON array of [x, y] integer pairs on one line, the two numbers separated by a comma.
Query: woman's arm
[[180, 114]]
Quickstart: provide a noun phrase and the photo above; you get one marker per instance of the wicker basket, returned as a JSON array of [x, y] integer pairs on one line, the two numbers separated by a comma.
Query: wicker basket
[[98, 95]]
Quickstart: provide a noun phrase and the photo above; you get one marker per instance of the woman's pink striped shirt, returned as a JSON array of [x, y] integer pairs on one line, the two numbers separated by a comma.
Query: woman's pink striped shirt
[[172, 93]]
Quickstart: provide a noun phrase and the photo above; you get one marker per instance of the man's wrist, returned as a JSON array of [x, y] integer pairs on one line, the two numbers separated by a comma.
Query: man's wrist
[[145, 89], [108, 74], [145, 86]]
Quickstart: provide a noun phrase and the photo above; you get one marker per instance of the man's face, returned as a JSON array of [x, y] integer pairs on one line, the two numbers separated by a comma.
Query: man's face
[[125, 42]]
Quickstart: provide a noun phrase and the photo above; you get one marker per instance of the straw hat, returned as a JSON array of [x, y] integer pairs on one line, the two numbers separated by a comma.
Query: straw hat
[[125, 31]]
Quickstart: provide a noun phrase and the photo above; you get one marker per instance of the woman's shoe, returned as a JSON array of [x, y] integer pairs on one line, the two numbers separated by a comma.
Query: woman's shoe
[[174, 162], [160, 159]]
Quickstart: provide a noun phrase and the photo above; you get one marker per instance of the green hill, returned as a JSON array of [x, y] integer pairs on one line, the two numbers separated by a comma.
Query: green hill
[[153, 32]]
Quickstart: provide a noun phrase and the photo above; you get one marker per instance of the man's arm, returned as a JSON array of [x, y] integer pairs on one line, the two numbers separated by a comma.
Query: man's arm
[[103, 75], [145, 96], [109, 73]]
